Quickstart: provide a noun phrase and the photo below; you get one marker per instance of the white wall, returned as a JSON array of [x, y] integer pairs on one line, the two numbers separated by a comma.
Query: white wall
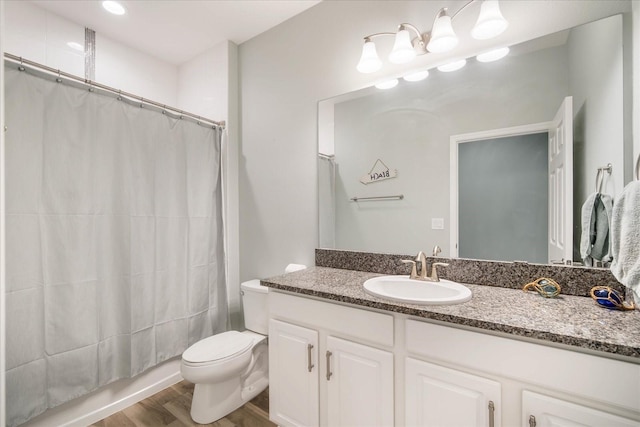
[[287, 70], [208, 86], [41, 36], [2, 229]]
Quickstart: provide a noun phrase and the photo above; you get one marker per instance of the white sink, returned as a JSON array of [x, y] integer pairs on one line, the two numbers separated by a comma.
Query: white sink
[[404, 289]]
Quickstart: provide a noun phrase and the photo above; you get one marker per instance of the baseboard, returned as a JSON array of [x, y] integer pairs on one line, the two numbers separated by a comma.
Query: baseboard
[[110, 399]]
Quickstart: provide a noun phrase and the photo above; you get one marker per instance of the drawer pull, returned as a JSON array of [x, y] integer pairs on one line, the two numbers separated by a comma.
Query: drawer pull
[[532, 421], [309, 363], [329, 365], [492, 411]]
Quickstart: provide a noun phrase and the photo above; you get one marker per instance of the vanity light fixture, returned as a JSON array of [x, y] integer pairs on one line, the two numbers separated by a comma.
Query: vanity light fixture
[[493, 55], [113, 7], [387, 84], [441, 38], [416, 77], [452, 66]]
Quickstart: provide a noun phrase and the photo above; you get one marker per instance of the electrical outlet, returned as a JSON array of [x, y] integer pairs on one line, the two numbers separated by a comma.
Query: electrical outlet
[[437, 223]]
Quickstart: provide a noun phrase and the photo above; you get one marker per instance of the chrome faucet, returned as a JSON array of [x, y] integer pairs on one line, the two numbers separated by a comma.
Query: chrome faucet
[[422, 259]]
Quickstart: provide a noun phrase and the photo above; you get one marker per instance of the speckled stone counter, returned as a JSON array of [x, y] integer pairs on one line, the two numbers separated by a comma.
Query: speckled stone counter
[[569, 320]]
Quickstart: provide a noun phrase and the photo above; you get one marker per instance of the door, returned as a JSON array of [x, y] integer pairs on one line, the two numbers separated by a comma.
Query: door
[[293, 375], [359, 384], [443, 397], [561, 184], [544, 411]]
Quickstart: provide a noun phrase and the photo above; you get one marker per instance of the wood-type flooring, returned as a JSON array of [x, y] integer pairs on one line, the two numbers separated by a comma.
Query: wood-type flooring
[[171, 407]]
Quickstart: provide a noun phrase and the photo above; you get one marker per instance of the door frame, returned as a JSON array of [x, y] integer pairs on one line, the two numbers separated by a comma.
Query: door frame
[[454, 142]]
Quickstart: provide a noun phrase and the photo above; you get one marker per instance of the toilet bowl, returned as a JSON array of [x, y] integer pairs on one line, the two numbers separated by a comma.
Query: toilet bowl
[[230, 368]]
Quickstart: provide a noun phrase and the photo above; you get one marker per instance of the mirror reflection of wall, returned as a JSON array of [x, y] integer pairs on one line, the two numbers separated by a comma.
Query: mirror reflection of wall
[[409, 127]]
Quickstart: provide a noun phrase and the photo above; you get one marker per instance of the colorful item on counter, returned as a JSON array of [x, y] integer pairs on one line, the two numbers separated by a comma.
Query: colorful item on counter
[[610, 298], [548, 288]]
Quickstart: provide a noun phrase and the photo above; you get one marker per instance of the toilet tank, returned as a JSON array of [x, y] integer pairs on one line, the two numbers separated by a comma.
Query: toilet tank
[[254, 306]]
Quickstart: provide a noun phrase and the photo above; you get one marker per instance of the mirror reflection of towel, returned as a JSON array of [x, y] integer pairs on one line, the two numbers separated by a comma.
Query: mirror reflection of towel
[[595, 243], [625, 238]]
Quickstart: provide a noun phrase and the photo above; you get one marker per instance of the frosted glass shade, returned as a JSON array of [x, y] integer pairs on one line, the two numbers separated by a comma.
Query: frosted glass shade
[[387, 84], [443, 38], [369, 61], [403, 50], [493, 55], [416, 77], [490, 22], [453, 66]]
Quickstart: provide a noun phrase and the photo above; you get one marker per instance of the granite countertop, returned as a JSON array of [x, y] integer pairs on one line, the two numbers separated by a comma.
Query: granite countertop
[[570, 320]]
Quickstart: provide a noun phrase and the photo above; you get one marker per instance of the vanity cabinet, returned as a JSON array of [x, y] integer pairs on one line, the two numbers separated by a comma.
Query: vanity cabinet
[[328, 366], [438, 396], [333, 364]]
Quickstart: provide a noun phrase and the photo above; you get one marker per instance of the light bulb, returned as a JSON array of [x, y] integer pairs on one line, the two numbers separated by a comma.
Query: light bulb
[[403, 50], [452, 66], [387, 84], [490, 22], [443, 38], [369, 61], [416, 77], [493, 55]]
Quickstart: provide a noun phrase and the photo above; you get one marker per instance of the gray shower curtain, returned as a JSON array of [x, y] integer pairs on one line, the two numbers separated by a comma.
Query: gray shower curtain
[[114, 240]]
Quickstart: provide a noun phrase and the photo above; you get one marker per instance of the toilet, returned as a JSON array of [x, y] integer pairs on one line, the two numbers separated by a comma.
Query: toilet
[[232, 367]]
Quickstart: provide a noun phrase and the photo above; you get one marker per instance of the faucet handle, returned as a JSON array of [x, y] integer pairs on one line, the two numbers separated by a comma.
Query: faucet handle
[[414, 272], [434, 271]]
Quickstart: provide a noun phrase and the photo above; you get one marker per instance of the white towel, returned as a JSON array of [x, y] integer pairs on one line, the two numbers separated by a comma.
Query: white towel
[[625, 238], [595, 241]]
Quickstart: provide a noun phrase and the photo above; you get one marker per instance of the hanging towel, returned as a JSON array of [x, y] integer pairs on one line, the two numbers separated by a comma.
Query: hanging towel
[[595, 242], [625, 238]]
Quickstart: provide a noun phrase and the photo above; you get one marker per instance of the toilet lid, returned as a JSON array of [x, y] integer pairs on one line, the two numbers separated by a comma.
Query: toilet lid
[[217, 347]]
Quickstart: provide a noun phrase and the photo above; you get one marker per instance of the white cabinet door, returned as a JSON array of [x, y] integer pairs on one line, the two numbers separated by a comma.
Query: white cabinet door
[[293, 375], [544, 411], [359, 384], [443, 397]]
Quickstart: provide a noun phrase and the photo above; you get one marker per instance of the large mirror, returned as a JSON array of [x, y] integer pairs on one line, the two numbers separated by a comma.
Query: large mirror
[[454, 142]]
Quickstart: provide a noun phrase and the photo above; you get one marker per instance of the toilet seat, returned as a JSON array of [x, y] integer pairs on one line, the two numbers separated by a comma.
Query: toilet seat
[[217, 348]]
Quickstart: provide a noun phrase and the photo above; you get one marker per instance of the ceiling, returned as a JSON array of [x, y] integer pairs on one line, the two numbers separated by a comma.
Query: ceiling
[[178, 30]]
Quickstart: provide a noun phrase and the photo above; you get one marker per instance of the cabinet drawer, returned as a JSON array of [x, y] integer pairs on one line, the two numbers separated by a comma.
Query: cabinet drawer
[[363, 325]]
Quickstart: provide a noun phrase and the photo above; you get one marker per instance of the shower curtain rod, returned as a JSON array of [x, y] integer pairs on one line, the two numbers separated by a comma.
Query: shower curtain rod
[[90, 83]]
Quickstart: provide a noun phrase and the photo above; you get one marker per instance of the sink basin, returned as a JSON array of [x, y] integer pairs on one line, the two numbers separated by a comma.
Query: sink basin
[[404, 289]]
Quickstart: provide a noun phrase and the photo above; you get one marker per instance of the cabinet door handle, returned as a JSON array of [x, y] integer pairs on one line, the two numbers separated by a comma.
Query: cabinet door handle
[[309, 363], [329, 373], [492, 411], [532, 421]]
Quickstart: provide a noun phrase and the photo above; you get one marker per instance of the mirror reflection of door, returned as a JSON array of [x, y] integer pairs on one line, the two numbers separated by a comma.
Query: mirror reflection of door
[[503, 198]]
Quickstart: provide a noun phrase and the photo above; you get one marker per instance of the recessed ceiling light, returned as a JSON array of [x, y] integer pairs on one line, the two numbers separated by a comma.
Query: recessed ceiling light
[[76, 46], [493, 55], [387, 84], [453, 66], [113, 7], [416, 77]]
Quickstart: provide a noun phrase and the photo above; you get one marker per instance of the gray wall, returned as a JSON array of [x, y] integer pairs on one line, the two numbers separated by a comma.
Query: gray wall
[[596, 83], [409, 127], [502, 185]]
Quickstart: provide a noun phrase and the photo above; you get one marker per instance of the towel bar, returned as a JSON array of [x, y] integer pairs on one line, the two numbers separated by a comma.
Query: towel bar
[[398, 197]]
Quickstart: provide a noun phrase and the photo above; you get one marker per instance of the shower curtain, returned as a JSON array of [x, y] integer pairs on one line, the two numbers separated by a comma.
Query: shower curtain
[[114, 240]]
